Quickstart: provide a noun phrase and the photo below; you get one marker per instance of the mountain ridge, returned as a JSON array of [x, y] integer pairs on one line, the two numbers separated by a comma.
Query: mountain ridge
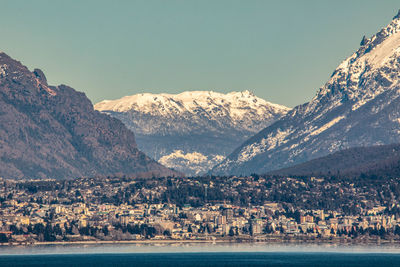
[[193, 130]]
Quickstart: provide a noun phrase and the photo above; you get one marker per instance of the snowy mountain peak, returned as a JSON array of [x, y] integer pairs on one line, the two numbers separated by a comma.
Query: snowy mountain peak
[[234, 104], [194, 130], [368, 72]]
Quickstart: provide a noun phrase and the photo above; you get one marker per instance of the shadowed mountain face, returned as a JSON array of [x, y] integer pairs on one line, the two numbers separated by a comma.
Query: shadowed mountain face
[[54, 132], [378, 161], [358, 106]]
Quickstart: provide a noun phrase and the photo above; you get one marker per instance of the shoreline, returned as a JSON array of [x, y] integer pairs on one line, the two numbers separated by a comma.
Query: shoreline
[[219, 241]]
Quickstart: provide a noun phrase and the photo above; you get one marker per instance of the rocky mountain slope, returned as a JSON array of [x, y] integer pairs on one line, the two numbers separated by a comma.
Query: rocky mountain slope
[[54, 132], [192, 131], [358, 106]]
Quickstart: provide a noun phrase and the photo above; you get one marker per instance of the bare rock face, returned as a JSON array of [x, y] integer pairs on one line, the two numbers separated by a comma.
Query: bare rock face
[[54, 132], [40, 75]]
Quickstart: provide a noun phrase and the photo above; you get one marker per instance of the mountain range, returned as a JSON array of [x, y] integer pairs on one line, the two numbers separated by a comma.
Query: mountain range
[[194, 130], [353, 123], [54, 132], [359, 106]]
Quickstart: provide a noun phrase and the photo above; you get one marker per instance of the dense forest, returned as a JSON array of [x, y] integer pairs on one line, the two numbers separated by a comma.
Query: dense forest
[[376, 162]]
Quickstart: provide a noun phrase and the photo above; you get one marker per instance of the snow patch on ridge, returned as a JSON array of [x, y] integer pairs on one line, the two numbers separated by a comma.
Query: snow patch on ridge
[[3, 70], [327, 125], [195, 161]]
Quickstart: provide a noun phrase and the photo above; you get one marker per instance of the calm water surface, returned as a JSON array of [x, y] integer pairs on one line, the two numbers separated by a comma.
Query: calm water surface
[[201, 255]]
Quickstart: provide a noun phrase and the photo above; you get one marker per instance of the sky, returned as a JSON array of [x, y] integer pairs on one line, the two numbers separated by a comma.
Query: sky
[[281, 50]]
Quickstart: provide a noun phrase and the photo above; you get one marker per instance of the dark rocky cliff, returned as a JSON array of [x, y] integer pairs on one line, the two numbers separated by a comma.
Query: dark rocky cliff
[[54, 132]]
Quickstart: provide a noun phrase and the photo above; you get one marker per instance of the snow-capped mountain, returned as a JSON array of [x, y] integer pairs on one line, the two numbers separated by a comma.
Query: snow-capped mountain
[[194, 130], [358, 106]]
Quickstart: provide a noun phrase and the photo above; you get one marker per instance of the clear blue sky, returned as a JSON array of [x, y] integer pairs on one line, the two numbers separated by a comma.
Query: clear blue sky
[[281, 50]]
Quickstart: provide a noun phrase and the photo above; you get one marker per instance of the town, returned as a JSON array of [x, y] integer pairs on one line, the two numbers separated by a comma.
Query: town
[[199, 209]]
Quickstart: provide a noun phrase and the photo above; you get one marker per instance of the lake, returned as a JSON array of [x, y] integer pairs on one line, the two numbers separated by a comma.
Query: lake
[[201, 255]]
